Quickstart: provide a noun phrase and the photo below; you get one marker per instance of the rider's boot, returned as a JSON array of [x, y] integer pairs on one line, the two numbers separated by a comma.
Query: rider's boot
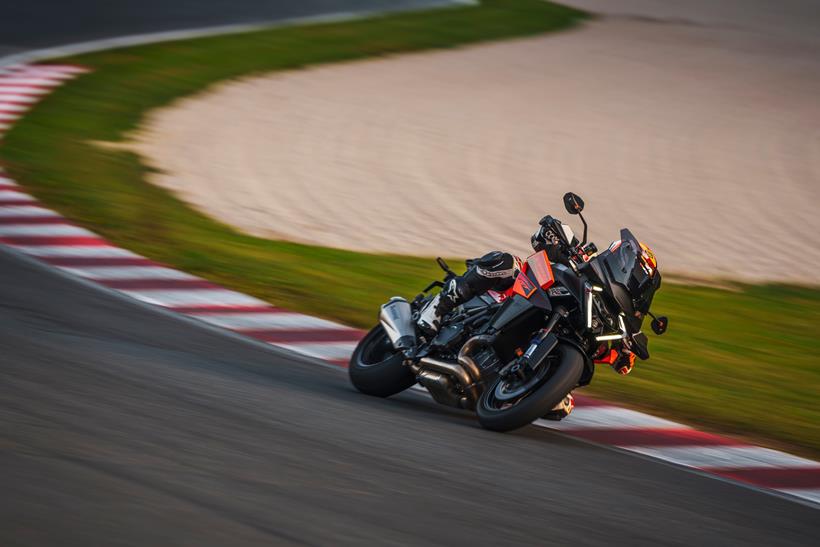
[[429, 319], [562, 409], [443, 303], [618, 357]]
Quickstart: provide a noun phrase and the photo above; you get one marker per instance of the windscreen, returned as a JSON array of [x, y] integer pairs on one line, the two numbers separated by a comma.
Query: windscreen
[[623, 261], [633, 287]]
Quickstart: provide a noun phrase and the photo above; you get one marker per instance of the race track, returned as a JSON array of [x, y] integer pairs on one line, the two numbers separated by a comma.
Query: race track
[[121, 424], [36, 24]]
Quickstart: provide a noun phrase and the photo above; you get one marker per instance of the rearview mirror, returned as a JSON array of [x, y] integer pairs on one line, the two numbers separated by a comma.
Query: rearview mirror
[[573, 203], [660, 324]]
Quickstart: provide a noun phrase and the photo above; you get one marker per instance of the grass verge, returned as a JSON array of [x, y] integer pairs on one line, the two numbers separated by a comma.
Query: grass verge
[[735, 361]]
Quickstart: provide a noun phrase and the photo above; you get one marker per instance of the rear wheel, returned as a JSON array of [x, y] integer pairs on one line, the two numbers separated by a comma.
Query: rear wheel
[[376, 368], [508, 404]]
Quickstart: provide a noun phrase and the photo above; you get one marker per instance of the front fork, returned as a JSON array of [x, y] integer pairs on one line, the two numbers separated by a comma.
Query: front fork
[[540, 347]]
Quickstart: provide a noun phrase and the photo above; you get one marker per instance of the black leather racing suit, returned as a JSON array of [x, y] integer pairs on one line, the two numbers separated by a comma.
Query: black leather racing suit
[[495, 270]]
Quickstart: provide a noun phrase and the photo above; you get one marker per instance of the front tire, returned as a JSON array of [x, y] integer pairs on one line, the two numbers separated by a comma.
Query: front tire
[[498, 414], [376, 368]]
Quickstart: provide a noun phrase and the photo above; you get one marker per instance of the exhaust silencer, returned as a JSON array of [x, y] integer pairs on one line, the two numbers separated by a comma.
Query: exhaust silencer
[[396, 318]]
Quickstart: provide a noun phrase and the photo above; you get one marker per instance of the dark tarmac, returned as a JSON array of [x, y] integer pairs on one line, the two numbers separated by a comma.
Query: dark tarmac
[[124, 425]]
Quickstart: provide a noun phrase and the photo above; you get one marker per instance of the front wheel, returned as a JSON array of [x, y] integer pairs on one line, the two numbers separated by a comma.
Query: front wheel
[[508, 404], [376, 368]]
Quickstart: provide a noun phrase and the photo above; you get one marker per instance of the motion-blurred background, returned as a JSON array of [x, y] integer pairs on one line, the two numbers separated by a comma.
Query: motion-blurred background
[[320, 165]]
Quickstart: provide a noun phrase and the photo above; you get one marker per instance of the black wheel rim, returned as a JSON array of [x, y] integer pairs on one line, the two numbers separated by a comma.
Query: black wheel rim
[[377, 350], [506, 393]]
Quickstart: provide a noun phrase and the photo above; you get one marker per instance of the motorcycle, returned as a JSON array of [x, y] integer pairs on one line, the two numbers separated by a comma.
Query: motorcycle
[[513, 358]]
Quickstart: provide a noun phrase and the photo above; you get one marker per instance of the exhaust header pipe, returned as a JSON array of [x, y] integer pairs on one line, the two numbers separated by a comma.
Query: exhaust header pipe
[[396, 318], [460, 374]]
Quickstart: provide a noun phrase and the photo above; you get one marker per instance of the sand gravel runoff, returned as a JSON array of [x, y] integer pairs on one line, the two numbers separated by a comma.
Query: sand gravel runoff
[[702, 137]]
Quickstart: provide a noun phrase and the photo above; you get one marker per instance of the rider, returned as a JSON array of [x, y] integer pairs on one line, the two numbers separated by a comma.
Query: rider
[[496, 271]]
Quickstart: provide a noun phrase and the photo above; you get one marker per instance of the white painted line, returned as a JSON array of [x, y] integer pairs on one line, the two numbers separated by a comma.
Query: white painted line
[[810, 494], [193, 297], [23, 90], [606, 417], [51, 72], [23, 211], [15, 110], [322, 350], [22, 81], [127, 272], [5, 180], [73, 70], [4, 126], [17, 98], [75, 251], [8, 116], [52, 230], [272, 321], [724, 456], [13, 195]]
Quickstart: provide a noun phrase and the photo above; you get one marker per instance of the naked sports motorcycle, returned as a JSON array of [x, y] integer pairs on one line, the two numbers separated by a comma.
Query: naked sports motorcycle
[[512, 359]]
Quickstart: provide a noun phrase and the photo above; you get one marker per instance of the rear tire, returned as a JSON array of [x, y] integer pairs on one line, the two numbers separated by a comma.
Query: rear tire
[[539, 401], [376, 368]]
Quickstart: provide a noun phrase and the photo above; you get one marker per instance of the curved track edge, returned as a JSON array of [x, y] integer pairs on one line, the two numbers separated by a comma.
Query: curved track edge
[[43, 234]]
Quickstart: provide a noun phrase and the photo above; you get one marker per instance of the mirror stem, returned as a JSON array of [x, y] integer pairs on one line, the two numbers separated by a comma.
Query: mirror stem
[[584, 242]]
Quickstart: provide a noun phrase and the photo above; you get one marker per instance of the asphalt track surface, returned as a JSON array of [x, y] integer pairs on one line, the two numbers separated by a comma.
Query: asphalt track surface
[[30, 24], [124, 425]]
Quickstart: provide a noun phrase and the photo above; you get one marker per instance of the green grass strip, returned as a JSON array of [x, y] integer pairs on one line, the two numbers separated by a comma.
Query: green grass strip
[[736, 361]]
